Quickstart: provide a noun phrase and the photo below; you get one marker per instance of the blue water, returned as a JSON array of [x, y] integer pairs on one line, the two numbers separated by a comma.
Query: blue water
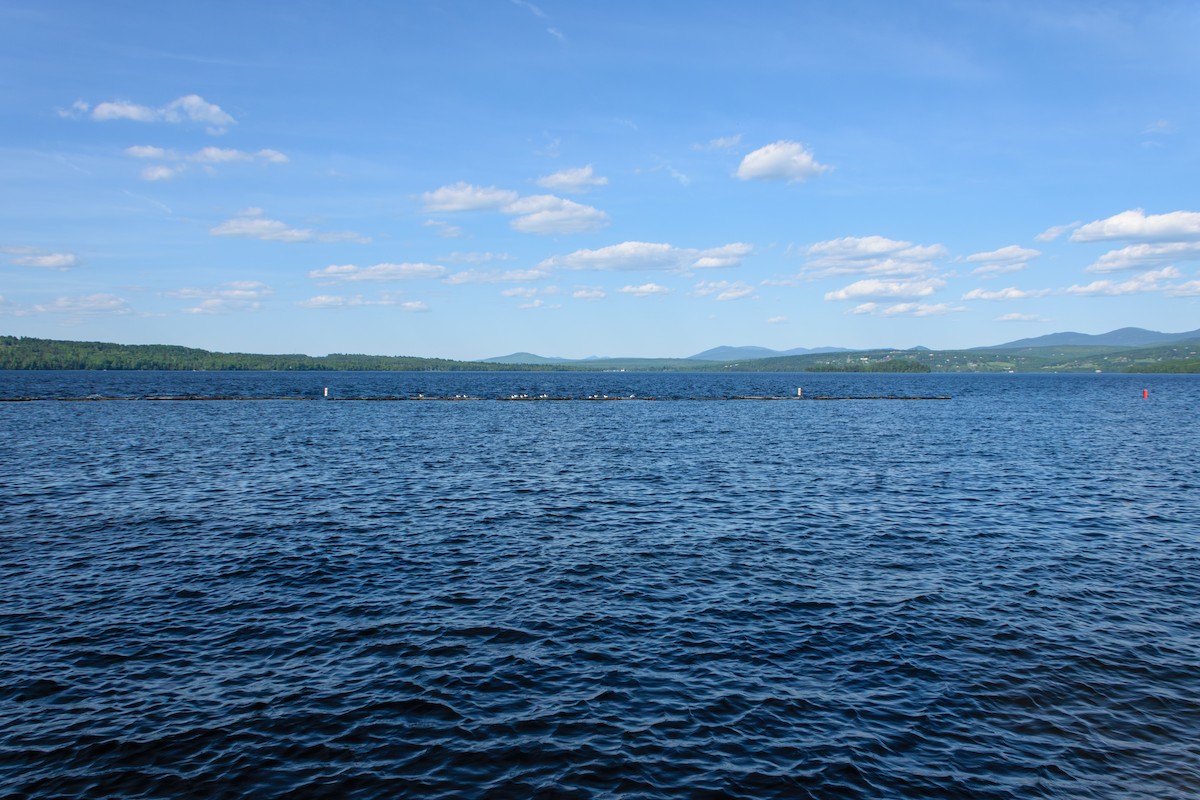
[[995, 596]]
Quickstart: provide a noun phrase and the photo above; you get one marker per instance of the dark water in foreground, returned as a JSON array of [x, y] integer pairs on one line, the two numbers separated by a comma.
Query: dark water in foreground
[[992, 597]]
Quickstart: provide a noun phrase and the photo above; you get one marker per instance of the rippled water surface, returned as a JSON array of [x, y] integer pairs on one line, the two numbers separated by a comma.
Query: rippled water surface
[[995, 596]]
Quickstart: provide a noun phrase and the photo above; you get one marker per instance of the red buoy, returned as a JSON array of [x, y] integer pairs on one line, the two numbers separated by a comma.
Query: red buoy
[[1145, 394]]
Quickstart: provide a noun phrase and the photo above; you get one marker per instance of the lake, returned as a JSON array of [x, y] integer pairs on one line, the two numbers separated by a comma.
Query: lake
[[991, 596]]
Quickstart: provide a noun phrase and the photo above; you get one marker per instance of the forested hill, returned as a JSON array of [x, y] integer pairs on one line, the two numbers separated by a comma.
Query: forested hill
[[29, 353]]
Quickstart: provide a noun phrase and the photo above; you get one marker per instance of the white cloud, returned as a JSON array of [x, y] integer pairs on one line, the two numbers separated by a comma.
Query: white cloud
[[870, 255], [356, 301], [1052, 233], [534, 304], [506, 276], [1143, 256], [229, 297], [776, 320], [1020, 318], [724, 290], [579, 179], [547, 214], [250, 224], [875, 288], [160, 172], [149, 151], [1010, 293], [466, 197], [1150, 281], [189, 108], [783, 160], [86, 304], [1135, 224], [477, 258], [378, 272], [905, 309], [59, 261], [1007, 259], [594, 293], [650, 256], [645, 290], [272, 156], [543, 213], [519, 291]]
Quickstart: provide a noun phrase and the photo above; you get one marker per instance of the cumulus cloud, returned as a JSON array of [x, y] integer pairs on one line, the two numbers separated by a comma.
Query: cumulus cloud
[[783, 160], [189, 108], [1137, 225], [724, 290], [251, 224], [86, 304], [463, 196], [645, 290], [547, 214], [650, 256], [870, 255], [228, 297], [578, 179], [875, 288], [1007, 259], [1150, 281], [1144, 256], [496, 276], [1010, 293], [378, 272], [543, 214]]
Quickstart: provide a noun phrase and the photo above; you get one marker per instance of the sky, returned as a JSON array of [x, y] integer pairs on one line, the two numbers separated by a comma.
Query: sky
[[470, 179]]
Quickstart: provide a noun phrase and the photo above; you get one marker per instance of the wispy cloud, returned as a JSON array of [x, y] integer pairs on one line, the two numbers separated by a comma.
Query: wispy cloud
[[1007, 259], [444, 229], [86, 305], [1052, 233], [463, 196], [776, 320], [589, 293], [628, 256], [724, 290], [905, 309], [1014, 317], [251, 224], [378, 272], [176, 163], [23, 256], [496, 276], [229, 297], [333, 301], [781, 161], [720, 143]]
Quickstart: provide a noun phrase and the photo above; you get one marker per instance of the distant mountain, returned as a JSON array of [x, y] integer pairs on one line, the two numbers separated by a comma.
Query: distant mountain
[[525, 358], [727, 353], [1122, 337]]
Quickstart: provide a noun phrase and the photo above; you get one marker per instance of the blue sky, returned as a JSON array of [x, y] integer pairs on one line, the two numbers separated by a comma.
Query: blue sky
[[469, 179]]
